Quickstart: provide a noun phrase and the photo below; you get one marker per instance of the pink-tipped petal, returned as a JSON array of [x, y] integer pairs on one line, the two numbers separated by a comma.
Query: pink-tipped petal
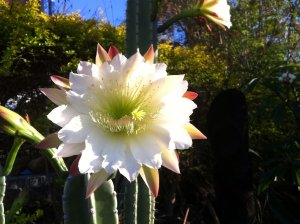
[[74, 170], [170, 160], [113, 51], [57, 96], [51, 141], [61, 82], [149, 55], [101, 55], [95, 181], [151, 179], [190, 95], [194, 132]]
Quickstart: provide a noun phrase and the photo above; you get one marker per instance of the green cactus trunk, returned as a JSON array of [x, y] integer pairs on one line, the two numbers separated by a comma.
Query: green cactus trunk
[[100, 208], [141, 32], [141, 26]]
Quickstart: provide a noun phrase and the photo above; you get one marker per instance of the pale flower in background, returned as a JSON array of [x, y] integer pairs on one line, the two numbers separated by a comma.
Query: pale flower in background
[[217, 11], [123, 115], [287, 77]]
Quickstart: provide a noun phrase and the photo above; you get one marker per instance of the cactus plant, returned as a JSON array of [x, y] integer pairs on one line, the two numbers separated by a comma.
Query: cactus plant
[[141, 32], [99, 208]]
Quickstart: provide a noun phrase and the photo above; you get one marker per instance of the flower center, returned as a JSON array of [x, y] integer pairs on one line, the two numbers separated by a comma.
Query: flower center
[[122, 111]]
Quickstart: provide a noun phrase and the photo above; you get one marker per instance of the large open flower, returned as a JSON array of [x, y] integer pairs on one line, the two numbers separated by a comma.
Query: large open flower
[[217, 11], [123, 115]]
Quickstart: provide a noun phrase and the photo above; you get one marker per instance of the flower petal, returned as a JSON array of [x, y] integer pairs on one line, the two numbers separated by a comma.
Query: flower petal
[[180, 139], [51, 141], [95, 181], [61, 82], [147, 148], [88, 68], [76, 130], [130, 167], [80, 83], [113, 51], [101, 55], [170, 160], [149, 55], [89, 161], [110, 148], [151, 179], [77, 102], [61, 115], [190, 95], [70, 149], [57, 96], [194, 132]]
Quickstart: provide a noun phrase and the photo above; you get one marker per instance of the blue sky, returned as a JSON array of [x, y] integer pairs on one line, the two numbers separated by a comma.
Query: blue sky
[[112, 10]]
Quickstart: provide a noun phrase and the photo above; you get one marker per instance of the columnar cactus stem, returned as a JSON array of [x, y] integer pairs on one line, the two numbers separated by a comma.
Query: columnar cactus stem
[[99, 208], [141, 32], [141, 26], [131, 200], [145, 213]]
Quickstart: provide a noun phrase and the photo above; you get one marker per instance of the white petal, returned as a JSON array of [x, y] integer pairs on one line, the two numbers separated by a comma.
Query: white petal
[[78, 102], [66, 150], [147, 148], [118, 61], [61, 115], [160, 70], [164, 87], [89, 162], [88, 68], [113, 155], [76, 130], [80, 83], [180, 138], [111, 149], [130, 167]]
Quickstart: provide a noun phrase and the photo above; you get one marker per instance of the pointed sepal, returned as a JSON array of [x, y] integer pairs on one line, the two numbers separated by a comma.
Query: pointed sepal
[[57, 96], [149, 55], [61, 82], [151, 179], [51, 141], [190, 95], [95, 181], [170, 160], [112, 52], [101, 55], [194, 132]]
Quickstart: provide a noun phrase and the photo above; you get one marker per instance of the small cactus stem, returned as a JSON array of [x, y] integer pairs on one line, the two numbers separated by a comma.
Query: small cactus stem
[[57, 163], [191, 12], [130, 206], [2, 194], [10, 160]]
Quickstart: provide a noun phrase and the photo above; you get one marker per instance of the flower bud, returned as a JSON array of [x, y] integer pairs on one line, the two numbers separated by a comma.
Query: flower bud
[[12, 123]]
